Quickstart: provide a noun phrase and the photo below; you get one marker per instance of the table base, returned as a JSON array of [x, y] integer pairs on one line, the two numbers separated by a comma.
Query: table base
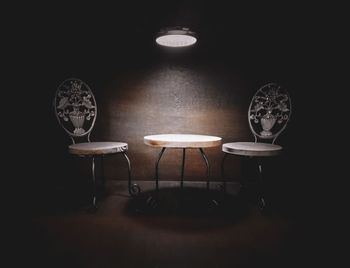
[[182, 167]]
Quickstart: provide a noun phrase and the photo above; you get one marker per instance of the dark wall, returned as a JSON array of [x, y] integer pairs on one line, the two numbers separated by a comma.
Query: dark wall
[[172, 95], [182, 93], [143, 89], [170, 98]]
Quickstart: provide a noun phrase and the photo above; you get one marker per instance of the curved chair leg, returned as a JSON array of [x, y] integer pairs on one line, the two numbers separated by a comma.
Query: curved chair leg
[[223, 172], [260, 187], [151, 201], [94, 190], [134, 189]]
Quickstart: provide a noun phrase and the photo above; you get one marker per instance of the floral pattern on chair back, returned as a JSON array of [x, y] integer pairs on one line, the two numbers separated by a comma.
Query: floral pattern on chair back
[[75, 107], [269, 111]]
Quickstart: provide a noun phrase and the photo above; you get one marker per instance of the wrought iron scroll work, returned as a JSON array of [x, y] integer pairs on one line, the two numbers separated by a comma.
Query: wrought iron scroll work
[[75, 107], [269, 111]]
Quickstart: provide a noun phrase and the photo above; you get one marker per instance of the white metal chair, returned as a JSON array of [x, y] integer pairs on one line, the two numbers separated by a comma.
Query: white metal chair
[[76, 111], [268, 115]]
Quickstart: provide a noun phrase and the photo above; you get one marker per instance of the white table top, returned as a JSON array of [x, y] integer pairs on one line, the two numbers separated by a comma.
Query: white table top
[[182, 140]]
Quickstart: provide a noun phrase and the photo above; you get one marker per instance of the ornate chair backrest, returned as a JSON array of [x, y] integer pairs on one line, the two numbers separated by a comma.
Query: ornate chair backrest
[[269, 112], [75, 108]]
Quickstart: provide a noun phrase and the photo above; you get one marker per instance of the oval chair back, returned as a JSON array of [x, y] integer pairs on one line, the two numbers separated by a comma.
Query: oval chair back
[[75, 108], [269, 112]]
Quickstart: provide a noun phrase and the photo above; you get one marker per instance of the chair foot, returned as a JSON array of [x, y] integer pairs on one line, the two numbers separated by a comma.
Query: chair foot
[[213, 205], [93, 208], [152, 202], [262, 203]]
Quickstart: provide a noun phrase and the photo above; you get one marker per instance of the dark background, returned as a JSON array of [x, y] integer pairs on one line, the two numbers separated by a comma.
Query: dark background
[[144, 89]]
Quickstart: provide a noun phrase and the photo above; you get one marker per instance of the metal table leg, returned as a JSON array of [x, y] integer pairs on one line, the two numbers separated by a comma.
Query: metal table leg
[[213, 204], [151, 201], [207, 165], [157, 164], [183, 167]]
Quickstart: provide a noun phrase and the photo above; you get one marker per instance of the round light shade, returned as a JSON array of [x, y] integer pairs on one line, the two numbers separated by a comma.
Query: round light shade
[[176, 37]]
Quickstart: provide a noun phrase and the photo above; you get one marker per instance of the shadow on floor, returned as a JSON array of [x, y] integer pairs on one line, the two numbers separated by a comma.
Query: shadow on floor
[[184, 229], [188, 209]]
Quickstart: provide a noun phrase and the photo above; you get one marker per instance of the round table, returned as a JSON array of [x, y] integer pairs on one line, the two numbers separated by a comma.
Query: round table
[[182, 141]]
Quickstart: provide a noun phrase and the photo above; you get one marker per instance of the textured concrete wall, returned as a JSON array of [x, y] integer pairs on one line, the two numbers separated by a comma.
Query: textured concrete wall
[[171, 99]]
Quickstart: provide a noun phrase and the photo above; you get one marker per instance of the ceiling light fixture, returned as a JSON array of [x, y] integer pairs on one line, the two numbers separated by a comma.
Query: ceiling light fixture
[[176, 37]]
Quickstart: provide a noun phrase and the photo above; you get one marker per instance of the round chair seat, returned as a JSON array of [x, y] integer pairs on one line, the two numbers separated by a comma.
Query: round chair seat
[[97, 148], [251, 148]]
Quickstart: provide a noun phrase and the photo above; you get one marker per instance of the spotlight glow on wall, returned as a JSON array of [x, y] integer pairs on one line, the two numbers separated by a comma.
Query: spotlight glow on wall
[[176, 37]]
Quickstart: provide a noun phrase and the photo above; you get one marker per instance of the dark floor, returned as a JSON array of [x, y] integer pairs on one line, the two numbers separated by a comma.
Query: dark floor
[[185, 229]]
